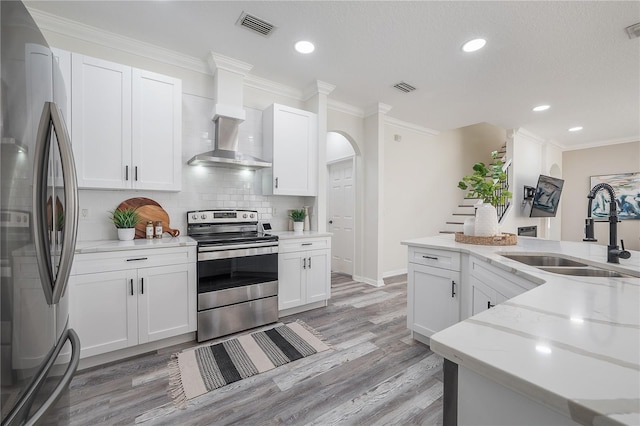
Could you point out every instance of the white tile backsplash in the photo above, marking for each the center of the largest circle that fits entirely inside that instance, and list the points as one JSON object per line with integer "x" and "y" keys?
{"x": 202, "y": 187}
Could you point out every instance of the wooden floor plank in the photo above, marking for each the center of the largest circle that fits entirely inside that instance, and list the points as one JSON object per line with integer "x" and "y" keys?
{"x": 374, "y": 373}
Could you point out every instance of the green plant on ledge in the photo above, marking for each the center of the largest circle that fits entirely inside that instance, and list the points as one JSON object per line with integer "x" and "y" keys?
{"x": 127, "y": 218}
{"x": 485, "y": 182}
{"x": 297, "y": 215}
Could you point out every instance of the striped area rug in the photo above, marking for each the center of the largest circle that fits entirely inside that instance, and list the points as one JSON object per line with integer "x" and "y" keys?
{"x": 196, "y": 371}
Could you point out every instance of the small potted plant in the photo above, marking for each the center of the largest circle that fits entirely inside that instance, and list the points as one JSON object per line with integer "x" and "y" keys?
{"x": 485, "y": 183}
{"x": 297, "y": 216}
{"x": 125, "y": 221}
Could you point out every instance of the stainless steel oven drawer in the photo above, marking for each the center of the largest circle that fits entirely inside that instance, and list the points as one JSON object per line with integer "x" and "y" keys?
{"x": 233, "y": 318}
{"x": 229, "y": 296}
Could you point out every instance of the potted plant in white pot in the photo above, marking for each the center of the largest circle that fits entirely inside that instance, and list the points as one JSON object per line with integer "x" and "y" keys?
{"x": 297, "y": 216}
{"x": 125, "y": 221}
{"x": 484, "y": 183}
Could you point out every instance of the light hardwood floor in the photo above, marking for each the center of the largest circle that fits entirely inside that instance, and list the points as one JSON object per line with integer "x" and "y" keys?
{"x": 375, "y": 374}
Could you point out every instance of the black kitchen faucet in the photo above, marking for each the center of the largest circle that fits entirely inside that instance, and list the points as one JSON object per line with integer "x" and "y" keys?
{"x": 614, "y": 254}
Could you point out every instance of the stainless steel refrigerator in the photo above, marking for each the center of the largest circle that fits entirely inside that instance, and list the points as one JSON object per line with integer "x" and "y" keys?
{"x": 38, "y": 225}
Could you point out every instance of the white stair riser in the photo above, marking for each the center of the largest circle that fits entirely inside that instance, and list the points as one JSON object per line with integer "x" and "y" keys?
{"x": 452, "y": 227}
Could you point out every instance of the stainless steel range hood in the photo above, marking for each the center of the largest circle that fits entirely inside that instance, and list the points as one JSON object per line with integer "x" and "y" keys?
{"x": 226, "y": 152}
{"x": 228, "y": 114}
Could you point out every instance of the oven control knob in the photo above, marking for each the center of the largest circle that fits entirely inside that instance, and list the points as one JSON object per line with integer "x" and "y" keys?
{"x": 194, "y": 216}
{"x": 204, "y": 216}
{"x": 244, "y": 216}
{"x": 251, "y": 215}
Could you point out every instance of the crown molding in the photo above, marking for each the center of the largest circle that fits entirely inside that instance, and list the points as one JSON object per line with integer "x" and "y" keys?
{"x": 378, "y": 108}
{"x": 410, "y": 126}
{"x": 74, "y": 29}
{"x": 521, "y": 132}
{"x": 345, "y": 108}
{"x": 628, "y": 139}
{"x": 319, "y": 87}
{"x": 218, "y": 61}
{"x": 272, "y": 87}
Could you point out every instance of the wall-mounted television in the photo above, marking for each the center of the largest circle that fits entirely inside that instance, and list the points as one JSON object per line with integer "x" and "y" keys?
{"x": 547, "y": 197}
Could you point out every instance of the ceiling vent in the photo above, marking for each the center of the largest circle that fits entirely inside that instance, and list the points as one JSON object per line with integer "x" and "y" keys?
{"x": 633, "y": 31}
{"x": 404, "y": 87}
{"x": 255, "y": 24}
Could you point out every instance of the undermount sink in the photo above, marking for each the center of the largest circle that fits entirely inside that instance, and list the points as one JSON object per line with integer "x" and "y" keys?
{"x": 543, "y": 260}
{"x": 586, "y": 272}
{"x": 561, "y": 265}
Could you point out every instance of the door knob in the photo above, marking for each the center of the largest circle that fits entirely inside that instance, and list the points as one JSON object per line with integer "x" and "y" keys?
{"x": 330, "y": 222}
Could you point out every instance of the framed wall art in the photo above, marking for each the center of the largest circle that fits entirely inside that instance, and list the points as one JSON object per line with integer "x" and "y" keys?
{"x": 627, "y": 189}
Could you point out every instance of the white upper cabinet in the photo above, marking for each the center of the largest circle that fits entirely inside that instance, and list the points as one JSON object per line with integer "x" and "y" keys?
{"x": 291, "y": 144}
{"x": 157, "y": 128}
{"x": 126, "y": 126}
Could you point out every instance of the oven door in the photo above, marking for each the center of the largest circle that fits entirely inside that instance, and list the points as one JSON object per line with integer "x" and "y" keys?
{"x": 234, "y": 276}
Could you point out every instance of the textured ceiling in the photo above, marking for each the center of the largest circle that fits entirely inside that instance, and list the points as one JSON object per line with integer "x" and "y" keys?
{"x": 573, "y": 55}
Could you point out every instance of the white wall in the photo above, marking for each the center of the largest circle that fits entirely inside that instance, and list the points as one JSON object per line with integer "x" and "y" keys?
{"x": 578, "y": 166}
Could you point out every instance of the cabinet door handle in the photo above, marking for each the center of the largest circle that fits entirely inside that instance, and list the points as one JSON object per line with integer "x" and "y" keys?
{"x": 430, "y": 257}
{"x": 131, "y": 283}
{"x": 136, "y": 173}
{"x": 142, "y": 285}
{"x": 304, "y": 264}
{"x": 126, "y": 172}
{"x": 453, "y": 288}
{"x": 489, "y": 305}
{"x": 135, "y": 259}
{"x": 276, "y": 182}
{"x": 309, "y": 263}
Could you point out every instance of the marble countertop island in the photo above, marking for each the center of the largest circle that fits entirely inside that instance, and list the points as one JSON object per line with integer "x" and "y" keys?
{"x": 571, "y": 344}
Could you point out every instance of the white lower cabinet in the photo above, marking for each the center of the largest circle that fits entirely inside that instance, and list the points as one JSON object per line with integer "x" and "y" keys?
{"x": 488, "y": 286}
{"x": 304, "y": 272}
{"x": 435, "y": 299}
{"x": 445, "y": 287}
{"x": 131, "y": 300}
{"x": 433, "y": 290}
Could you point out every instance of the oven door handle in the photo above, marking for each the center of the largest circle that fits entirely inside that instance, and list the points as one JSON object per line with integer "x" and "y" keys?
{"x": 204, "y": 249}
{"x": 244, "y": 252}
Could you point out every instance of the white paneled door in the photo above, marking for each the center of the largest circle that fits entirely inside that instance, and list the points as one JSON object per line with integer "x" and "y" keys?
{"x": 341, "y": 215}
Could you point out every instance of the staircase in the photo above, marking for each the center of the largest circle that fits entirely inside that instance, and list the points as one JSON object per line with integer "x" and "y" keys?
{"x": 466, "y": 208}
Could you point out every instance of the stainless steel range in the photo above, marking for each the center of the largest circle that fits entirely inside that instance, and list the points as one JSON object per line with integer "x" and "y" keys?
{"x": 237, "y": 272}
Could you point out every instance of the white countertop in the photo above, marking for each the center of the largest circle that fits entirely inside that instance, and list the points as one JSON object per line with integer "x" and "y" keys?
{"x": 571, "y": 344}
{"x": 289, "y": 235}
{"x": 137, "y": 244}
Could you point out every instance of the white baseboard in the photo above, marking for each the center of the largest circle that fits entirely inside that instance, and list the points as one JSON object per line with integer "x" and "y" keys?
{"x": 375, "y": 283}
{"x": 390, "y": 274}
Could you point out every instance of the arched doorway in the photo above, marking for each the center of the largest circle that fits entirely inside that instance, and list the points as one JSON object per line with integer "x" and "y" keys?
{"x": 341, "y": 201}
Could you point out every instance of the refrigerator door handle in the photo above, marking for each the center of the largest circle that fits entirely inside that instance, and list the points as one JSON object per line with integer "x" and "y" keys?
{"x": 20, "y": 411}
{"x": 54, "y": 284}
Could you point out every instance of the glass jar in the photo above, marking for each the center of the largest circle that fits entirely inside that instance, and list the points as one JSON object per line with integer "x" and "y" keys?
{"x": 149, "y": 233}
{"x": 158, "y": 229}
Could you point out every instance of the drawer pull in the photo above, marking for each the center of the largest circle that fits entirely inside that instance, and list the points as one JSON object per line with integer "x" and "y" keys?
{"x": 307, "y": 244}
{"x": 135, "y": 259}
{"x": 489, "y": 305}
{"x": 429, "y": 257}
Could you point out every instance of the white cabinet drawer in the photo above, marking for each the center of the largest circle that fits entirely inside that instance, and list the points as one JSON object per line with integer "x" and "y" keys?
{"x": 436, "y": 258}
{"x": 289, "y": 246}
{"x": 88, "y": 263}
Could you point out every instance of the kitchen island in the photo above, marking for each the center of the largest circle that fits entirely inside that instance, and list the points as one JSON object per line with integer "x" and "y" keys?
{"x": 566, "y": 351}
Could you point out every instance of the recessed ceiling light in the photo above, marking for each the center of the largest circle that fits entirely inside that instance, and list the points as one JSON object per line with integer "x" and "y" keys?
{"x": 473, "y": 45}
{"x": 541, "y": 108}
{"x": 304, "y": 46}
{"x": 575, "y": 129}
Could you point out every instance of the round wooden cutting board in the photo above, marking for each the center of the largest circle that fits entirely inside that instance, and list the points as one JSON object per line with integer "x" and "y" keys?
{"x": 148, "y": 209}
